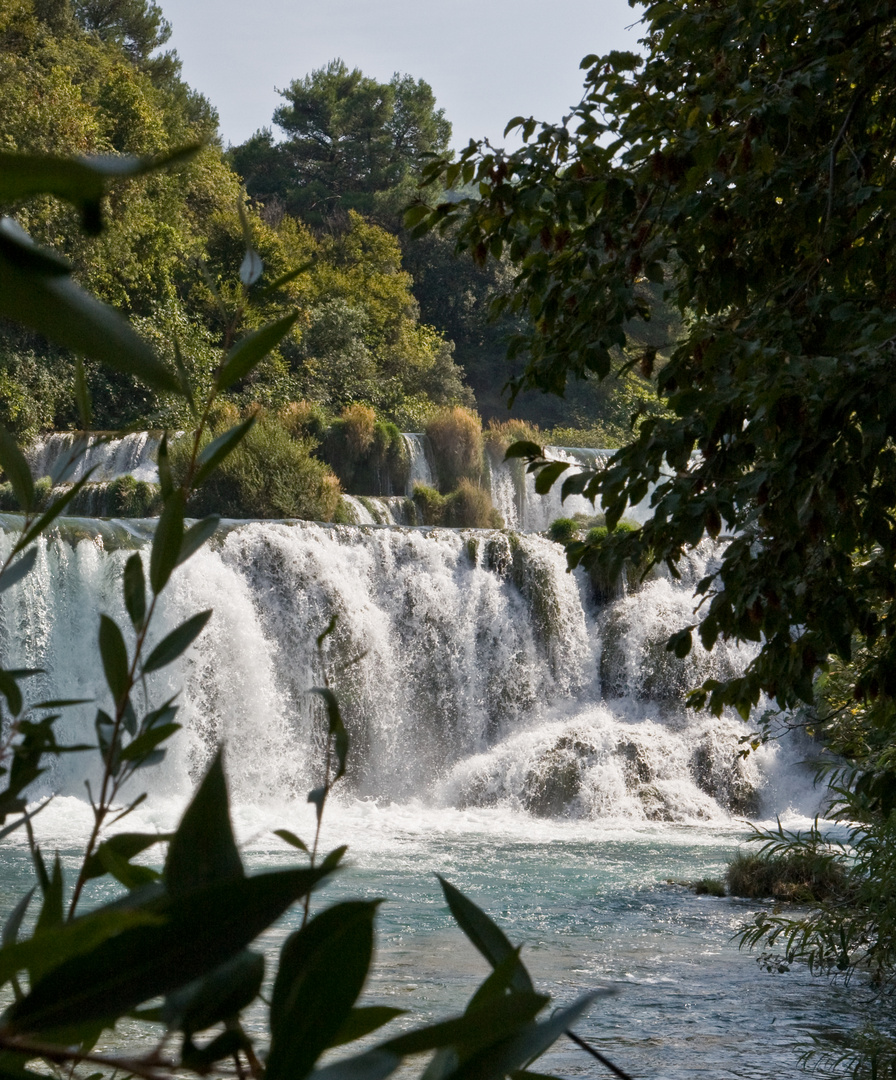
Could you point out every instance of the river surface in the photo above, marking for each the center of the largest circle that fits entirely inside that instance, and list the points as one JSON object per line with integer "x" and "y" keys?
{"x": 511, "y": 730}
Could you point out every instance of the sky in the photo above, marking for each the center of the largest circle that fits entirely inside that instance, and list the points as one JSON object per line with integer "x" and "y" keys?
{"x": 486, "y": 60}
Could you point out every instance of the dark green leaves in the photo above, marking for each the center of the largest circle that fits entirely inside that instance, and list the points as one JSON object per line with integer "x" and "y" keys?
{"x": 196, "y": 536}
{"x": 192, "y": 933}
{"x": 18, "y": 570}
{"x": 167, "y": 541}
{"x": 120, "y": 848}
{"x": 175, "y": 643}
{"x": 322, "y": 970}
{"x": 546, "y": 476}
{"x": 13, "y": 463}
{"x": 252, "y": 348}
{"x": 43, "y": 298}
{"x": 213, "y": 454}
{"x": 134, "y": 585}
{"x": 115, "y": 658}
{"x": 203, "y": 849}
{"x": 217, "y": 996}
{"x": 80, "y": 181}
{"x": 488, "y": 937}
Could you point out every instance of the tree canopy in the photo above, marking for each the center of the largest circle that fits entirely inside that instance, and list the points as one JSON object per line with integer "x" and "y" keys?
{"x": 746, "y": 165}
{"x": 349, "y": 139}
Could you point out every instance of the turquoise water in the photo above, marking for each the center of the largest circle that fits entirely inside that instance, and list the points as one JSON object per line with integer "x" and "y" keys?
{"x": 593, "y": 906}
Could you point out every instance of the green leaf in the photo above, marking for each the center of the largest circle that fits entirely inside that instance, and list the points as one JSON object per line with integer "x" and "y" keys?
{"x": 203, "y": 849}
{"x": 51, "y": 513}
{"x": 363, "y": 1020}
{"x": 166, "y": 480}
{"x": 131, "y": 876}
{"x": 82, "y": 394}
{"x": 680, "y": 642}
{"x": 14, "y": 922}
{"x": 58, "y": 309}
{"x": 225, "y": 1045}
{"x": 496, "y": 1061}
{"x": 291, "y": 839}
{"x": 134, "y": 585}
{"x": 144, "y": 744}
{"x": 261, "y": 295}
{"x": 245, "y": 354}
{"x": 124, "y": 846}
{"x": 167, "y": 542}
{"x": 374, "y": 1065}
{"x": 17, "y": 570}
{"x": 9, "y": 688}
{"x": 322, "y": 971}
{"x": 474, "y": 1030}
{"x": 175, "y": 643}
{"x": 213, "y": 454}
{"x": 80, "y": 181}
{"x": 546, "y": 476}
{"x": 336, "y": 728}
{"x": 196, "y": 536}
{"x": 523, "y": 449}
{"x": 488, "y": 938}
{"x": 184, "y": 376}
{"x": 114, "y": 654}
{"x": 191, "y": 933}
{"x": 60, "y": 944}
{"x": 219, "y": 995}
{"x": 13, "y": 463}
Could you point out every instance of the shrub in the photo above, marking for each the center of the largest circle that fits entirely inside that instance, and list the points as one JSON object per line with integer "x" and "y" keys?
{"x": 368, "y": 455}
{"x": 709, "y": 887}
{"x": 430, "y": 504}
{"x": 269, "y": 475}
{"x": 469, "y": 506}
{"x": 499, "y": 434}
{"x": 802, "y": 876}
{"x": 455, "y": 436}
{"x": 564, "y": 530}
{"x": 608, "y": 586}
{"x": 304, "y": 419}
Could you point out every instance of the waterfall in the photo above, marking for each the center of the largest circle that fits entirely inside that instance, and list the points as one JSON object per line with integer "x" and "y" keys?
{"x": 381, "y": 510}
{"x": 131, "y": 455}
{"x": 420, "y": 471}
{"x": 472, "y": 670}
{"x": 516, "y": 500}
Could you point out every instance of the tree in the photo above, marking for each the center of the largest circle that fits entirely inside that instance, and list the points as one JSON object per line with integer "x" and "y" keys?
{"x": 177, "y": 941}
{"x": 348, "y": 140}
{"x": 745, "y": 163}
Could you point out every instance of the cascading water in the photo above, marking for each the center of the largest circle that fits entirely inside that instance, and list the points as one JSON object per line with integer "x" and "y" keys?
{"x": 507, "y": 730}
{"x": 420, "y": 470}
{"x": 131, "y": 455}
{"x": 471, "y": 667}
{"x": 521, "y": 507}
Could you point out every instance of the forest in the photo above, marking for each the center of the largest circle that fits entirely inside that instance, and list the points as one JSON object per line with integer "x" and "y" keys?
{"x": 395, "y": 327}
{"x": 696, "y": 267}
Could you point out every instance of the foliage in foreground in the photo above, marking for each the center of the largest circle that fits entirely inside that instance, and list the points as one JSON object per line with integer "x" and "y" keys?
{"x": 746, "y": 166}
{"x": 184, "y": 934}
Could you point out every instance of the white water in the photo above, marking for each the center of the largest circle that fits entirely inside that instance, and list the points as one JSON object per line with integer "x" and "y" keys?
{"x": 67, "y": 457}
{"x": 506, "y": 731}
{"x": 515, "y": 498}
{"x": 420, "y": 469}
{"x": 473, "y": 670}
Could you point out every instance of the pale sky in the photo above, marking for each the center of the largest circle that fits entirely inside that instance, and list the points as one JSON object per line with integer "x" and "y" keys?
{"x": 486, "y": 60}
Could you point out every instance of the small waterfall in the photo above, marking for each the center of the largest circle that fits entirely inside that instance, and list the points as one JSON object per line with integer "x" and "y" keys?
{"x": 515, "y": 498}
{"x": 420, "y": 469}
{"x": 73, "y": 455}
{"x": 381, "y": 510}
{"x": 472, "y": 669}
